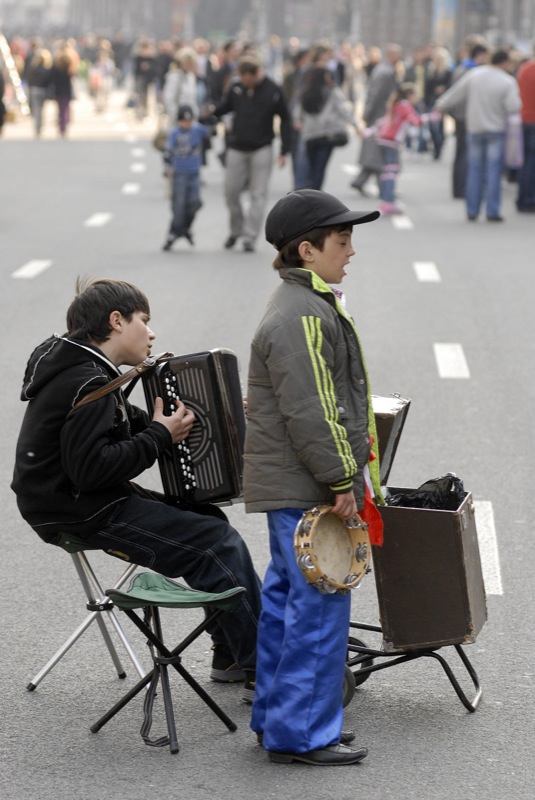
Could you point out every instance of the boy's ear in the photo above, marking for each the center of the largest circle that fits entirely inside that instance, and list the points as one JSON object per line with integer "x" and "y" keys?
{"x": 305, "y": 251}
{"x": 116, "y": 321}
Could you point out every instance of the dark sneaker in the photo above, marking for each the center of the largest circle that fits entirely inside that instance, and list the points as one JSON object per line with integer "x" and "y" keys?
{"x": 249, "y": 686}
{"x": 224, "y": 667}
{"x": 169, "y": 242}
{"x": 189, "y": 236}
{"x": 230, "y": 242}
{"x": 248, "y": 247}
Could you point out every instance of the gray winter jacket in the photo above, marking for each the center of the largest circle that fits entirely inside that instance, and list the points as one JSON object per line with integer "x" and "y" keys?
{"x": 309, "y": 409}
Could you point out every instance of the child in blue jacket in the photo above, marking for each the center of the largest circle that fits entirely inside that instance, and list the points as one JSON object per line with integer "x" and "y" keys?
{"x": 183, "y": 160}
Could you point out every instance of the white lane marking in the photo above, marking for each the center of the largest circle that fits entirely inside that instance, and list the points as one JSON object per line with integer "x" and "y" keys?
{"x": 131, "y": 188}
{"x": 451, "y": 361}
{"x": 138, "y": 166}
{"x": 32, "y": 268}
{"x": 97, "y": 220}
{"x": 130, "y": 137}
{"x": 402, "y": 222}
{"x": 488, "y": 547}
{"x": 138, "y": 152}
{"x": 427, "y": 271}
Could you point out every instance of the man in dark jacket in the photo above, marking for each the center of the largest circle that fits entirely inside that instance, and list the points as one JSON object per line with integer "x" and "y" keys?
{"x": 74, "y": 466}
{"x": 254, "y": 101}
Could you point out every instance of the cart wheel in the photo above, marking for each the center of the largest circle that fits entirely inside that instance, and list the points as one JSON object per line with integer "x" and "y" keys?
{"x": 349, "y": 688}
{"x": 358, "y": 679}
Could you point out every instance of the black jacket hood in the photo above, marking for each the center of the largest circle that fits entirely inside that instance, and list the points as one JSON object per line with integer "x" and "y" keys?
{"x": 54, "y": 356}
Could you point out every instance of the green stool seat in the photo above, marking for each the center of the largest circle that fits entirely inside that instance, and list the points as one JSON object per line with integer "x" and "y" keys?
{"x": 150, "y": 589}
{"x": 150, "y": 592}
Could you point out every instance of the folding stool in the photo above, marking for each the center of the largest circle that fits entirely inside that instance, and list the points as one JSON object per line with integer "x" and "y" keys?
{"x": 99, "y": 605}
{"x": 150, "y": 592}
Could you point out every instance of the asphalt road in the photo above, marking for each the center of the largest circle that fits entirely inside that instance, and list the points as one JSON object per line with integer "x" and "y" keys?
{"x": 96, "y": 204}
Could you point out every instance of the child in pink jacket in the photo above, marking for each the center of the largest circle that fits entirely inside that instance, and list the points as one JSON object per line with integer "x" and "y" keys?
{"x": 390, "y": 132}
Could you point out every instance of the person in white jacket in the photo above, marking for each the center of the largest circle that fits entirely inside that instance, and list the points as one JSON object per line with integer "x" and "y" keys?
{"x": 180, "y": 86}
{"x": 491, "y": 95}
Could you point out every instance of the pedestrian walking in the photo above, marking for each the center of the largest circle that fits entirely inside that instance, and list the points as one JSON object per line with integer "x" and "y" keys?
{"x": 491, "y": 95}
{"x": 382, "y": 83}
{"x": 39, "y": 82}
{"x": 64, "y": 68}
{"x": 390, "y": 133}
{"x": 182, "y": 158}
{"x": 438, "y": 79}
{"x": 254, "y": 101}
{"x": 322, "y": 117}
{"x": 180, "y": 84}
{"x": 525, "y": 200}
{"x": 144, "y": 70}
{"x": 478, "y": 54}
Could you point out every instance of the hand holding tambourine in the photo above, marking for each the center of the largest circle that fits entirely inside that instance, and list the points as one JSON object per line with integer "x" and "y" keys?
{"x": 332, "y": 553}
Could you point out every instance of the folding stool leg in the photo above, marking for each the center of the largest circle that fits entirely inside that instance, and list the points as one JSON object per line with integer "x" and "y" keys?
{"x": 97, "y": 598}
{"x": 91, "y": 587}
{"x": 166, "y": 688}
{"x": 168, "y": 654}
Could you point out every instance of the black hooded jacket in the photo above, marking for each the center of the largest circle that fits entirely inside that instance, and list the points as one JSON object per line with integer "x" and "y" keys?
{"x": 73, "y": 467}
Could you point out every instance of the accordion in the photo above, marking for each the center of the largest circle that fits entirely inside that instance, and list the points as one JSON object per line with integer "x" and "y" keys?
{"x": 207, "y": 466}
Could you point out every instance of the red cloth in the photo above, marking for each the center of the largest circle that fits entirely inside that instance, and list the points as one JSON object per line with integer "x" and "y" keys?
{"x": 372, "y": 516}
{"x": 526, "y": 85}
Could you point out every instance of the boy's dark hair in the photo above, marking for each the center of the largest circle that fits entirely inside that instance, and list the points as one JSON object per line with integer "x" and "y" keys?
{"x": 500, "y": 57}
{"x": 288, "y": 256}
{"x": 89, "y": 313}
{"x": 249, "y": 65}
{"x": 478, "y": 49}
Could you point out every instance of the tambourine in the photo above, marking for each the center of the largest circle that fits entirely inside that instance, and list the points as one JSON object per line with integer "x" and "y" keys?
{"x": 332, "y": 553}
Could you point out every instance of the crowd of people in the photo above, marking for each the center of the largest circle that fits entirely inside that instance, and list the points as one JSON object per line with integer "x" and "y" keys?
{"x": 316, "y": 94}
{"x": 311, "y": 435}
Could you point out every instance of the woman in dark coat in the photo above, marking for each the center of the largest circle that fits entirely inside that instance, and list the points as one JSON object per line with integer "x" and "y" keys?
{"x": 61, "y": 75}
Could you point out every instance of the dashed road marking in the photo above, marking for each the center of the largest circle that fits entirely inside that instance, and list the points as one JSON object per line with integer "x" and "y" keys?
{"x": 488, "y": 547}
{"x": 138, "y": 152}
{"x": 32, "y": 268}
{"x": 131, "y": 188}
{"x": 97, "y": 220}
{"x": 427, "y": 271}
{"x": 451, "y": 361}
{"x": 138, "y": 166}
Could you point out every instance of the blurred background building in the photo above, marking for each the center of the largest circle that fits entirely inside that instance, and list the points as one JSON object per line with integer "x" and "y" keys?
{"x": 409, "y": 22}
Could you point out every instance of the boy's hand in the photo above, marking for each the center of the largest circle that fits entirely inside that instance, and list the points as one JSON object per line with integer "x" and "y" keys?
{"x": 345, "y": 505}
{"x": 179, "y": 423}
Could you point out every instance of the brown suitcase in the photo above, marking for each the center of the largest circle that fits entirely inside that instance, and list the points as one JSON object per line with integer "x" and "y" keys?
{"x": 428, "y": 573}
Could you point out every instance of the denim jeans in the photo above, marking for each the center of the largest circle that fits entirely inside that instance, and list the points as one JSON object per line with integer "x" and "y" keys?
{"x": 526, "y": 176}
{"x": 300, "y": 166}
{"x": 186, "y": 201}
{"x": 389, "y": 173}
{"x": 202, "y": 549}
{"x": 318, "y": 152}
{"x": 484, "y": 172}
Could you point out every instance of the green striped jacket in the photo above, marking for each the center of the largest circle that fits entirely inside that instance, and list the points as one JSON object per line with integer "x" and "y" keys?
{"x": 310, "y": 416}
